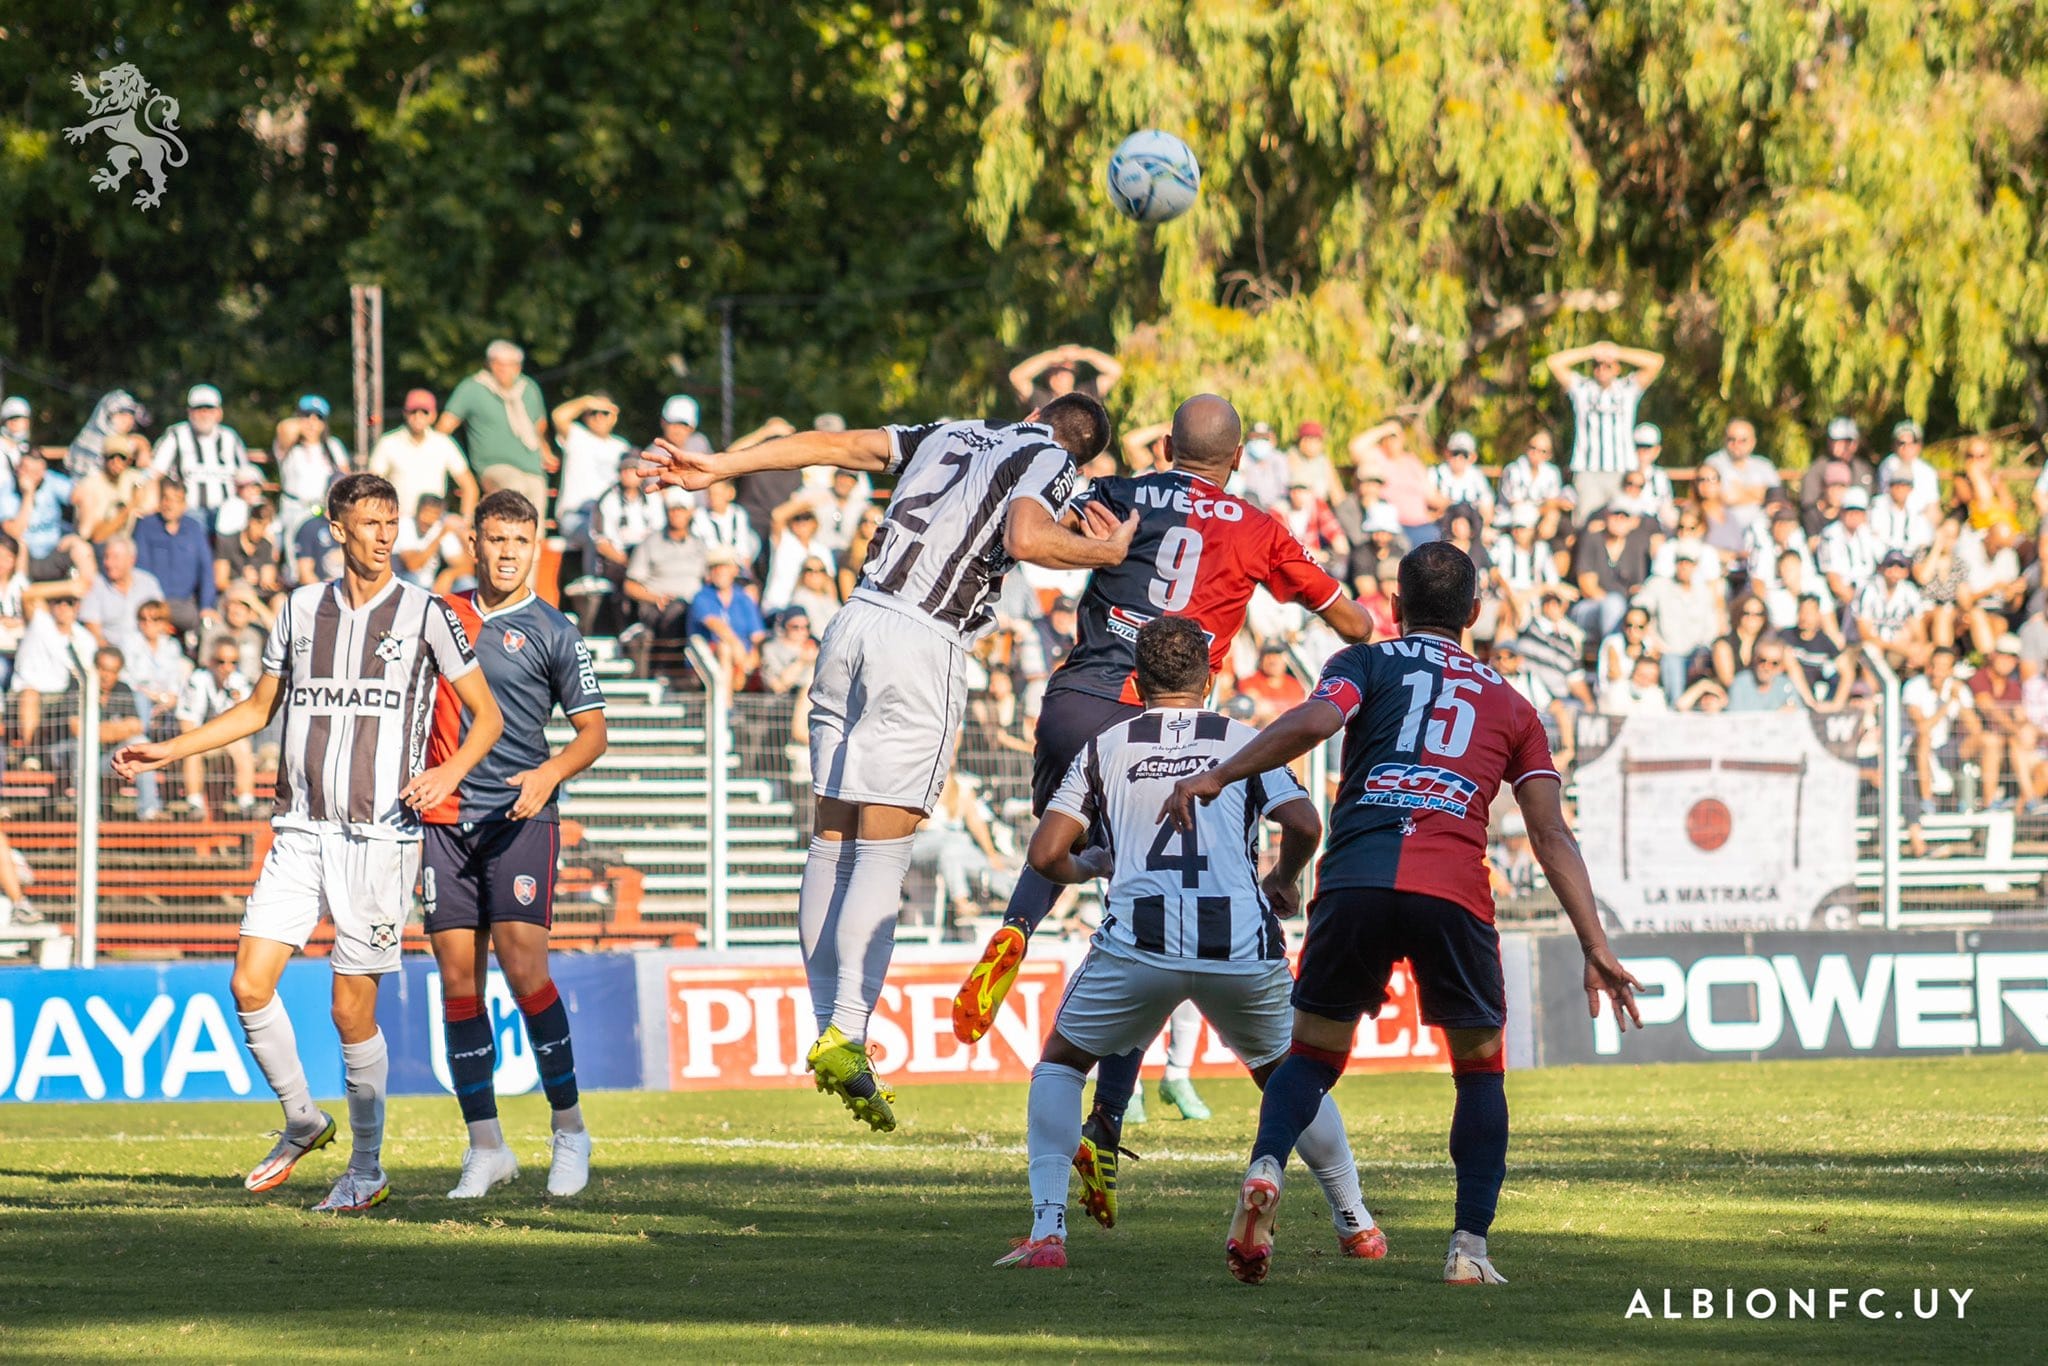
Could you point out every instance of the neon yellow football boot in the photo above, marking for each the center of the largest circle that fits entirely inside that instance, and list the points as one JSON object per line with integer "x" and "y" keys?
{"x": 841, "y": 1067}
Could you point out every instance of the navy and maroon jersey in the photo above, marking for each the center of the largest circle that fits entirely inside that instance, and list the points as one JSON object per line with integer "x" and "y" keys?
{"x": 534, "y": 659}
{"x": 1198, "y": 553}
{"x": 1430, "y": 734}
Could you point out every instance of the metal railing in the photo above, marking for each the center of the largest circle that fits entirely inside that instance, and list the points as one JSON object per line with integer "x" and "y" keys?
{"x": 1890, "y": 826}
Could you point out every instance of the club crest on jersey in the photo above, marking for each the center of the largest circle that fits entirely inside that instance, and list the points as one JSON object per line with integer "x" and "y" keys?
{"x": 1164, "y": 766}
{"x": 1126, "y": 623}
{"x": 524, "y": 889}
{"x": 389, "y": 647}
{"x": 1419, "y": 787}
{"x": 515, "y": 641}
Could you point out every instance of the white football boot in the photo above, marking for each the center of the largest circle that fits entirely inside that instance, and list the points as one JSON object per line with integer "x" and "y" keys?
{"x": 356, "y": 1192}
{"x": 569, "y": 1172}
{"x": 482, "y": 1170}
{"x": 1468, "y": 1264}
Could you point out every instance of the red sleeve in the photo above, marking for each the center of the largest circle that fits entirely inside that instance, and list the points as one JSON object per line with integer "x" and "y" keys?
{"x": 446, "y": 733}
{"x": 1529, "y": 757}
{"x": 1291, "y": 576}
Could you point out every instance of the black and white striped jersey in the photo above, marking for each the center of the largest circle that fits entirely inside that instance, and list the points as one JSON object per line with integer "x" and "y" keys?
{"x": 205, "y": 465}
{"x": 358, "y": 699}
{"x": 1604, "y": 423}
{"x": 940, "y": 551}
{"x": 1182, "y": 899}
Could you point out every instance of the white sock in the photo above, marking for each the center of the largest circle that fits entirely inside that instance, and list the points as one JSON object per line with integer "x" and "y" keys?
{"x": 865, "y": 932}
{"x": 484, "y": 1133}
{"x": 1326, "y": 1151}
{"x": 367, "y": 1066}
{"x": 275, "y": 1046}
{"x": 569, "y": 1121}
{"x": 1052, "y": 1132}
{"x": 819, "y": 897}
{"x": 1183, "y": 1032}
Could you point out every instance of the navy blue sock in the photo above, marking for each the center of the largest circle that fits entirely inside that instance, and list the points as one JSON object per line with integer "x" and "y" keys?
{"x": 1479, "y": 1147}
{"x": 1294, "y": 1093}
{"x": 1115, "y": 1079}
{"x": 472, "y": 1056}
{"x": 1031, "y": 901}
{"x": 547, "y": 1029}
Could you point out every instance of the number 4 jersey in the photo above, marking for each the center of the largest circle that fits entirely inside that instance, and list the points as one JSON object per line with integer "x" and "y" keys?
{"x": 1199, "y": 553}
{"x": 1430, "y": 734}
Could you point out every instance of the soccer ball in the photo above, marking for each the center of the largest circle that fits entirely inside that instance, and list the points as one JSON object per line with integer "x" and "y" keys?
{"x": 1153, "y": 177}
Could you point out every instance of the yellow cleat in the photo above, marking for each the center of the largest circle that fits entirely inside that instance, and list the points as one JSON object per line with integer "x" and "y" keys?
{"x": 981, "y": 995}
{"x": 1096, "y": 1164}
{"x": 841, "y": 1067}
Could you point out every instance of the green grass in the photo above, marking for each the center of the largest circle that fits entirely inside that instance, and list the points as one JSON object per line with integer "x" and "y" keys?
{"x": 762, "y": 1225}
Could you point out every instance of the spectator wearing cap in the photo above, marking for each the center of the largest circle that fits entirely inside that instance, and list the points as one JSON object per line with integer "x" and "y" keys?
{"x": 1381, "y": 543}
{"x": 1891, "y": 614}
{"x": 1363, "y": 513}
{"x": 1748, "y": 480}
{"x": 1533, "y": 479}
{"x": 1815, "y": 647}
{"x": 725, "y": 615}
{"x": 111, "y": 608}
{"x": 1603, "y": 414}
{"x": 502, "y": 416}
{"x": 1613, "y": 560}
{"x": 1849, "y": 550}
{"x": 720, "y": 520}
{"x": 789, "y": 656}
{"x": 680, "y": 420}
{"x": 1687, "y": 614}
{"x": 309, "y": 459}
{"x": 202, "y": 452}
{"x": 1458, "y": 479}
{"x": 1906, "y": 459}
{"x": 107, "y": 499}
{"x": 16, "y": 417}
{"x": 35, "y": 509}
{"x": 432, "y": 542}
{"x": 1657, "y": 492}
{"x": 419, "y": 460}
{"x": 1038, "y": 380}
{"x": 1896, "y": 523}
{"x": 798, "y": 538}
{"x": 1261, "y": 475}
{"x": 1769, "y": 683}
{"x": 1997, "y": 691}
{"x": 54, "y": 656}
{"x": 1309, "y": 464}
{"x": 625, "y": 516}
{"x": 231, "y": 516}
{"x": 666, "y": 571}
{"x": 586, "y": 431}
{"x": 1057, "y": 631}
{"x": 1844, "y": 464}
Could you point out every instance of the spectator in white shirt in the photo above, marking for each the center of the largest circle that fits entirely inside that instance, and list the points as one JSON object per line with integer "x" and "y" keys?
{"x": 1657, "y": 490}
{"x": 1994, "y": 588}
{"x": 1747, "y": 479}
{"x": 1641, "y": 693}
{"x": 626, "y": 515}
{"x": 1946, "y": 730}
{"x": 154, "y": 663}
{"x": 1894, "y": 520}
{"x": 1459, "y": 479}
{"x": 1891, "y": 614}
{"x": 1907, "y": 440}
{"x": 798, "y": 540}
{"x": 1792, "y": 580}
{"x": 1768, "y": 540}
{"x": 430, "y": 541}
{"x": 1261, "y": 475}
{"x": 309, "y": 459}
{"x": 720, "y": 520}
{"x": 202, "y": 452}
{"x": 1849, "y": 549}
{"x": 839, "y": 509}
{"x": 419, "y": 460}
{"x": 208, "y": 693}
{"x": 55, "y": 655}
{"x": 585, "y": 432}
{"x": 232, "y": 517}
{"x": 1687, "y": 613}
{"x": 1534, "y": 478}
{"x": 1603, "y": 414}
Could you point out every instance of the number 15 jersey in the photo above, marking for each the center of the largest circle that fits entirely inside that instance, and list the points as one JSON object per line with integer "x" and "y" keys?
{"x": 1430, "y": 734}
{"x": 1199, "y": 552}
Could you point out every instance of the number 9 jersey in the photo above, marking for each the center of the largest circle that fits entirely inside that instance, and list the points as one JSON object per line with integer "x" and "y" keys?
{"x": 1199, "y": 552}
{"x": 1430, "y": 735}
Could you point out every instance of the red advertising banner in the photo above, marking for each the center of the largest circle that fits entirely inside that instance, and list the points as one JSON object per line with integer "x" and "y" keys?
{"x": 734, "y": 1026}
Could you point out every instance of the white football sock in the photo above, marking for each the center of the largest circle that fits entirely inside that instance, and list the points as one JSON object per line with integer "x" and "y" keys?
{"x": 1183, "y": 1032}
{"x": 275, "y": 1046}
{"x": 367, "y": 1066}
{"x": 569, "y": 1121}
{"x": 865, "y": 930}
{"x": 1052, "y": 1132}
{"x": 483, "y": 1133}
{"x": 827, "y": 871}
{"x": 1326, "y": 1151}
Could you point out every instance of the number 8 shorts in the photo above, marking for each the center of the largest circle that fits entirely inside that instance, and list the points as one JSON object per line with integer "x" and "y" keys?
{"x": 364, "y": 885}
{"x": 887, "y": 700}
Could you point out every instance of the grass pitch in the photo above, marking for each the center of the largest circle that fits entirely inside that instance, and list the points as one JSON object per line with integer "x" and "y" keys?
{"x": 763, "y": 1225}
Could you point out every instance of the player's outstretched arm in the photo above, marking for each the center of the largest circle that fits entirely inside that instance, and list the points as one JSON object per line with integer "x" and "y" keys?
{"x": 1292, "y": 735}
{"x": 1347, "y": 619}
{"x": 486, "y": 724}
{"x": 1035, "y": 536}
{"x": 238, "y": 722}
{"x": 866, "y": 451}
{"x": 1557, "y": 850}
{"x": 538, "y": 784}
{"x": 1301, "y": 830}
{"x": 1051, "y": 853}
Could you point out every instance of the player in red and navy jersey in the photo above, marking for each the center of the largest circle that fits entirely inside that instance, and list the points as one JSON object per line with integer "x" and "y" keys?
{"x": 1198, "y": 552}
{"x": 488, "y": 879}
{"x": 1430, "y": 734}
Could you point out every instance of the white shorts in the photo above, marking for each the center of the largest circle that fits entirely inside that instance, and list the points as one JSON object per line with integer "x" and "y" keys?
{"x": 887, "y": 700}
{"x": 364, "y": 885}
{"x": 1114, "y": 1004}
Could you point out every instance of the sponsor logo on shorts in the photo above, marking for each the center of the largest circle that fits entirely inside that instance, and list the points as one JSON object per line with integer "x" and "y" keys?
{"x": 384, "y": 934}
{"x": 515, "y": 641}
{"x": 524, "y": 889}
{"x": 1419, "y": 787}
{"x": 1162, "y": 766}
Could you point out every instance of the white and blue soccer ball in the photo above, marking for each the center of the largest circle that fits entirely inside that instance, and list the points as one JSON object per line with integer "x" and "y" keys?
{"x": 1153, "y": 177}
